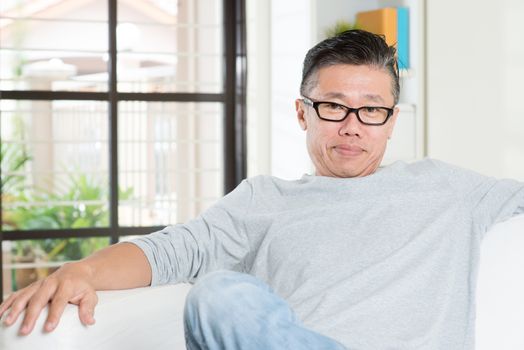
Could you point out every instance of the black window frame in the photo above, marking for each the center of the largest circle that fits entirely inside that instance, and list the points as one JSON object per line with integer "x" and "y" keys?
{"x": 233, "y": 98}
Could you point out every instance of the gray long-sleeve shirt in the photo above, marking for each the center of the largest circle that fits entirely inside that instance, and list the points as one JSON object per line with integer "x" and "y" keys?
{"x": 386, "y": 261}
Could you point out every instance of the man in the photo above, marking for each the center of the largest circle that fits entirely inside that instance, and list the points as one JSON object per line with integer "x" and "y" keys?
{"x": 354, "y": 257}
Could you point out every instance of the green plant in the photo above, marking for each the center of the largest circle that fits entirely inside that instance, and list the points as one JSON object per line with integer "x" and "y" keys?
{"x": 47, "y": 215}
{"x": 13, "y": 160}
{"x": 339, "y": 27}
{"x": 79, "y": 202}
{"x": 89, "y": 210}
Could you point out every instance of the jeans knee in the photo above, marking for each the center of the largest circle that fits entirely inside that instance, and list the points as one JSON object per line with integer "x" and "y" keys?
{"x": 219, "y": 288}
{"x": 215, "y": 293}
{"x": 217, "y": 280}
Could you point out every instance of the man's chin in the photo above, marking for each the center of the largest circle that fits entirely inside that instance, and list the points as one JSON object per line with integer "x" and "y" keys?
{"x": 355, "y": 170}
{"x": 347, "y": 173}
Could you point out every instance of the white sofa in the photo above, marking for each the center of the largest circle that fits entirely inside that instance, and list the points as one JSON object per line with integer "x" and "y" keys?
{"x": 151, "y": 318}
{"x": 135, "y": 319}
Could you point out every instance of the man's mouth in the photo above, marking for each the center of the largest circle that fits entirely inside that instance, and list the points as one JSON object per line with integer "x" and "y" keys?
{"x": 348, "y": 150}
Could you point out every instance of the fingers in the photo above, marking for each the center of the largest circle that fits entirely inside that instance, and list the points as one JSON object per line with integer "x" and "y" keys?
{"x": 36, "y": 304}
{"x": 86, "y": 308}
{"x": 86, "y": 301}
{"x": 16, "y": 303}
{"x": 57, "y": 306}
{"x": 5, "y": 306}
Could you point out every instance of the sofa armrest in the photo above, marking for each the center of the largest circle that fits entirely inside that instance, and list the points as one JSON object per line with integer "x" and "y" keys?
{"x": 500, "y": 287}
{"x": 142, "y": 318}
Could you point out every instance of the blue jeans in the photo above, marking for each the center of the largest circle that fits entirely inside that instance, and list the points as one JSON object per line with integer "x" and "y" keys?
{"x": 231, "y": 310}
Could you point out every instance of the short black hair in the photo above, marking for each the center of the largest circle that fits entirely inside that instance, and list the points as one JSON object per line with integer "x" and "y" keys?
{"x": 356, "y": 47}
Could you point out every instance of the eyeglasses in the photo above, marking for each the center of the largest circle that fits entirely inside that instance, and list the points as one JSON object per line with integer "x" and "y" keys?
{"x": 335, "y": 112}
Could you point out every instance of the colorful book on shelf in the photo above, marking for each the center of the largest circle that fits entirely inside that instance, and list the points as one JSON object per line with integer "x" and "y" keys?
{"x": 393, "y": 23}
{"x": 403, "y": 37}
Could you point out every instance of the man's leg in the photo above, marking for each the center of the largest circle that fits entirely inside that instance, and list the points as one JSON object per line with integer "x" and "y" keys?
{"x": 230, "y": 310}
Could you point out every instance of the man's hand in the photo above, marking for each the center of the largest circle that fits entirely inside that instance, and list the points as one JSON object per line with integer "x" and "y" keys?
{"x": 69, "y": 284}
{"x": 119, "y": 266}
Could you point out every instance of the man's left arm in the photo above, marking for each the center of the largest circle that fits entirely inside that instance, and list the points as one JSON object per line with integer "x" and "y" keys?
{"x": 490, "y": 200}
{"x": 495, "y": 200}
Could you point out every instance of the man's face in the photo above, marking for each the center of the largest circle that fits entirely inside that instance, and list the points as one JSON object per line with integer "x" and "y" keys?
{"x": 347, "y": 148}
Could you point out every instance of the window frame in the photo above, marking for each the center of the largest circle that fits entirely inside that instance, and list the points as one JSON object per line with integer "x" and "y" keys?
{"x": 233, "y": 98}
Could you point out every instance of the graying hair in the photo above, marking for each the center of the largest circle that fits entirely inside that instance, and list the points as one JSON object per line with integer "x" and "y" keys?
{"x": 356, "y": 47}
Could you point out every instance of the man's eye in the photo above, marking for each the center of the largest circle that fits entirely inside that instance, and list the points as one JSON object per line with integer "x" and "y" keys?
{"x": 334, "y": 106}
{"x": 370, "y": 109}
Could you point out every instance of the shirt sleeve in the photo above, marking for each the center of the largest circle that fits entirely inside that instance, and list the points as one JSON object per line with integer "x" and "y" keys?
{"x": 215, "y": 240}
{"x": 491, "y": 200}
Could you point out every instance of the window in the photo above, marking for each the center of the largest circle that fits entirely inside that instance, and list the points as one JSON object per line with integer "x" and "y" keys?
{"x": 117, "y": 117}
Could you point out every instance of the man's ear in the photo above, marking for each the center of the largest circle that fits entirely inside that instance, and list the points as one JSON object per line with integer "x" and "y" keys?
{"x": 392, "y": 120}
{"x": 301, "y": 114}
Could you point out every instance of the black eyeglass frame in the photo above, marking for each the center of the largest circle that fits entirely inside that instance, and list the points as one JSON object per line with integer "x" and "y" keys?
{"x": 308, "y": 101}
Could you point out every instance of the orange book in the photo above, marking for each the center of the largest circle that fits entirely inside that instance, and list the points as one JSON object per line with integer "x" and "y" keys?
{"x": 382, "y": 21}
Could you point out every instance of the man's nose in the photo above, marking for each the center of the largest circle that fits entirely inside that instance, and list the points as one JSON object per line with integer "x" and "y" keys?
{"x": 350, "y": 126}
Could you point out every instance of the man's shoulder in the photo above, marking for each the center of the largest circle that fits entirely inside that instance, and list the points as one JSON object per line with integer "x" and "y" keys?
{"x": 427, "y": 166}
{"x": 427, "y": 170}
{"x": 442, "y": 168}
{"x": 455, "y": 176}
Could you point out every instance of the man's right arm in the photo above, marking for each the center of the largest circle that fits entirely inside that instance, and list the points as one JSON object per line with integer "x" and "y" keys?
{"x": 120, "y": 266}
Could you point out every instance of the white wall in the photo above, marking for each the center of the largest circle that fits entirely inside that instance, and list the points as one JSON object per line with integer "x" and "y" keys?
{"x": 475, "y": 70}
{"x": 290, "y": 40}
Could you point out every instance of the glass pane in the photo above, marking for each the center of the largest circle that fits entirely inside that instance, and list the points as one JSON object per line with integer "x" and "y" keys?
{"x": 37, "y": 55}
{"x": 29, "y": 260}
{"x": 71, "y": 9}
{"x": 170, "y": 48}
{"x": 54, "y": 164}
{"x": 170, "y": 161}
{"x": 143, "y": 72}
{"x": 179, "y": 12}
